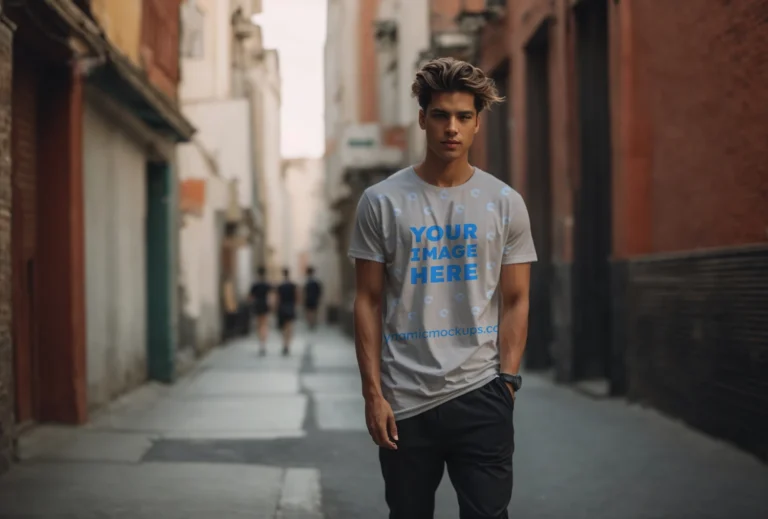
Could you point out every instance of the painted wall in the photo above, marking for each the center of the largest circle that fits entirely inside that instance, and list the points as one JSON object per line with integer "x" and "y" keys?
{"x": 304, "y": 182}
{"x": 342, "y": 71}
{"x": 7, "y": 399}
{"x": 413, "y": 37}
{"x": 121, "y": 22}
{"x": 209, "y": 75}
{"x": 236, "y": 146}
{"x": 115, "y": 215}
{"x": 200, "y": 271}
{"x": 265, "y": 77}
{"x": 224, "y": 134}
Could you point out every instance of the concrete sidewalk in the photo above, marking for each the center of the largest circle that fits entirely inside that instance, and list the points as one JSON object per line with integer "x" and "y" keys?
{"x": 99, "y": 470}
{"x": 285, "y": 437}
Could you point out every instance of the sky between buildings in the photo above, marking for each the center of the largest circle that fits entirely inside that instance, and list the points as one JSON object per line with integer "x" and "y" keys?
{"x": 296, "y": 28}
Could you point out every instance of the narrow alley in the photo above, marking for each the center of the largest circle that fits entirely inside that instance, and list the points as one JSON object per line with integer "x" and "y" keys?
{"x": 284, "y": 437}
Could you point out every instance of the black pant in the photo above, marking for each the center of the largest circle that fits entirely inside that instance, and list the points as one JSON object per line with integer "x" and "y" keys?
{"x": 473, "y": 435}
{"x": 285, "y": 314}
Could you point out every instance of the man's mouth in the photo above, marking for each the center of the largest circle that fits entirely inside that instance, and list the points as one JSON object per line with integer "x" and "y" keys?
{"x": 451, "y": 143}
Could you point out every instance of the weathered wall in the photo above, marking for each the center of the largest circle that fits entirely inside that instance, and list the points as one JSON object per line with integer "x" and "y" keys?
{"x": 160, "y": 43}
{"x": 115, "y": 216}
{"x": 692, "y": 150}
{"x": 121, "y": 22}
{"x": 369, "y": 88}
{"x": 703, "y": 67}
{"x": 6, "y": 345}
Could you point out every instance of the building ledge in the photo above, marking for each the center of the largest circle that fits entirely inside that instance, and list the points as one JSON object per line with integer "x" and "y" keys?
{"x": 116, "y": 75}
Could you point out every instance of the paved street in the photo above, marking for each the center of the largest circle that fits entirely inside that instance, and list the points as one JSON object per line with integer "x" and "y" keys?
{"x": 274, "y": 437}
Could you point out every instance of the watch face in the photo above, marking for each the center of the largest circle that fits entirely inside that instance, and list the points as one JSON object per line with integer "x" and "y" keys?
{"x": 515, "y": 380}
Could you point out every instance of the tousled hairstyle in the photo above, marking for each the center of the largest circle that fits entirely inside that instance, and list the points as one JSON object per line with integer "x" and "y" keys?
{"x": 452, "y": 75}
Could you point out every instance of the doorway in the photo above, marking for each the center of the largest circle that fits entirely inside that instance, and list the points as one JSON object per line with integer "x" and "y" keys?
{"x": 592, "y": 204}
{"x": 160, "y": 280}
{"x": 539, "y": 198}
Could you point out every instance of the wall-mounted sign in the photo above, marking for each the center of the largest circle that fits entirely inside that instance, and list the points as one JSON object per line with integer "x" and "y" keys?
{"x": 362, "y": 143}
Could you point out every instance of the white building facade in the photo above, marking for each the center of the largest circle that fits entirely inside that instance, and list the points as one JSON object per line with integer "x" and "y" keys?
{"x": 362, "y": 150}
{"x": 221, "y": 172}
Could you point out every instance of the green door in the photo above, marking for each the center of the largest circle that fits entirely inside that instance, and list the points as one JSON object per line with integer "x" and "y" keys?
{"x": 160, "y": 267}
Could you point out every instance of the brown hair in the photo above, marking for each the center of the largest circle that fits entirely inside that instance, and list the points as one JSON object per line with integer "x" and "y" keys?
{"x": 452, "y": 75}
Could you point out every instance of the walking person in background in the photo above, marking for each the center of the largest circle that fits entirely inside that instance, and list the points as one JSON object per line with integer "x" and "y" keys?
{"x": 287, "y": 298}
{"x": 313, "y": 290}
{"x": 259, "y": 299}
{"x": 442, "y": 255}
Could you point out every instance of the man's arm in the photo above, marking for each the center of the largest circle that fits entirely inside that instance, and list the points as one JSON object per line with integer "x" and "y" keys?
{"x": 513, "y": 327}
{"x": 367, "y": 313}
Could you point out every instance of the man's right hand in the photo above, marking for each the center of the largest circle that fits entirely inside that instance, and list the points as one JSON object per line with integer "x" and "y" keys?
{"x": 381, "y": 422}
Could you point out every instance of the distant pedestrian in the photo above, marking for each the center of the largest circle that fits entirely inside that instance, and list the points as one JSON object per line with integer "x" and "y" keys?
{"x": 442, "y": 255}
{"x": 287, "y": 297}
{"x": 313, "y": 291}
{"x": 259, "y": 299}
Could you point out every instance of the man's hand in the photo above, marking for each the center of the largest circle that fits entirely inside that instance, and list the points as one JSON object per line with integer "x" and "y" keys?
{"x": 381, "y": 422}
{"x": 511, "y": 390}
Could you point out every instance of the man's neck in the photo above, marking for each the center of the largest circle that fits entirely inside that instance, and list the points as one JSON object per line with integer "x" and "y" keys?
{"x": 444, "y": 174}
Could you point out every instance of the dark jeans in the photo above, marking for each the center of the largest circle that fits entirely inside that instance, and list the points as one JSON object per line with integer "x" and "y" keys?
{"x": 473, "y": 435}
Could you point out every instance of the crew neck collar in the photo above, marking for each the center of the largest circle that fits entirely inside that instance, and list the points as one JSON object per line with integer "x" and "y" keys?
{"x": 466, "y": 185}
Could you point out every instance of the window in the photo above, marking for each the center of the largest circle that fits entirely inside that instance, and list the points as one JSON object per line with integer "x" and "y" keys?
{"x": 192, "y": 23}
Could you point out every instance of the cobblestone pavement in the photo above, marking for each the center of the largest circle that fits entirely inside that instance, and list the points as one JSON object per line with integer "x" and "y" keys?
{"x": 270, "y": 437}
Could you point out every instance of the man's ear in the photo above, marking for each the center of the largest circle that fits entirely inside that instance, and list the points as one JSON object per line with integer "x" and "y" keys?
{"x": 477, "y": 123}
{"x": 422, "y": 120}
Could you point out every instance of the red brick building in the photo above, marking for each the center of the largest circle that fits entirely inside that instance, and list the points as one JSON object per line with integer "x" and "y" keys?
{"x": 48, "y": 52}
{"x": 6, "y": 344}
{"x": 636, "y": 132}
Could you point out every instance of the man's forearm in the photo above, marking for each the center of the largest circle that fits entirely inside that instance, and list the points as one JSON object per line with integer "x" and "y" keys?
{"x": 368, "y": 346}
{"x": 513, "y": 333}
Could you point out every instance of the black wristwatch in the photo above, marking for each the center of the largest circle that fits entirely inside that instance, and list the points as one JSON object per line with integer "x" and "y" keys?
{"x": 515, "y": 380}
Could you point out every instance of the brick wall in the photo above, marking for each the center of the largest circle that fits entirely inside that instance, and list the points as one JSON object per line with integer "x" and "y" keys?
{"x": 690, "y": 126}
{"x": 24, "y": 234}
{"x": 525, "y": 18}
{"x": 369, "y": 94}
{"x": 6, "y": 351}
{"x": 442, "y": 13}
{"x": 703, "y": 67}
{"x": 160, "y": 43}
{"x": 696, "y": 343}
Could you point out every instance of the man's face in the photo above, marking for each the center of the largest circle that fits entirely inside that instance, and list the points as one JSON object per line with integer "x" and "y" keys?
{"x": 451, "y": 123}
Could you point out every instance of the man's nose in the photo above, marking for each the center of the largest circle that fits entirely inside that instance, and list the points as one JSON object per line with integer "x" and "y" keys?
{"x": 452, "y": 128}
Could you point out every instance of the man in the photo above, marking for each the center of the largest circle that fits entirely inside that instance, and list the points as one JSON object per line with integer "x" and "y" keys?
{"x": 287, "y": 296}
{"x": 313, "y": 290}
{"x": 442, "y": 256}
{"x": 259, "y": 299}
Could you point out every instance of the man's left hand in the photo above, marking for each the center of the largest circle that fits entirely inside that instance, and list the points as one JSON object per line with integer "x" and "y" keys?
{"x": 511, "y": 389}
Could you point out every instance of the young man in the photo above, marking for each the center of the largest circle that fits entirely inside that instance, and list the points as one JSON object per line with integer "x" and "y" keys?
{"x": 287, "y": 296}
{"x": 442, "y": 253}
{"x": 259, "y": 298}
{"x": 313, "y": 290}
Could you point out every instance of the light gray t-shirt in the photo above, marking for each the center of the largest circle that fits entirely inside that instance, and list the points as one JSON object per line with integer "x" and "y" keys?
{"x": 443, "y": 249}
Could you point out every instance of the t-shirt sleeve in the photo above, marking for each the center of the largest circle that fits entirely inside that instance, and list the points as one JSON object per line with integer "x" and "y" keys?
{"x": 519, "y": 247}
{"x": 367, "y": 240}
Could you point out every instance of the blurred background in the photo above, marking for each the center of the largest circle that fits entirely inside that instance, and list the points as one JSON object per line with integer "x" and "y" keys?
{"x": 155, "y": 153}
